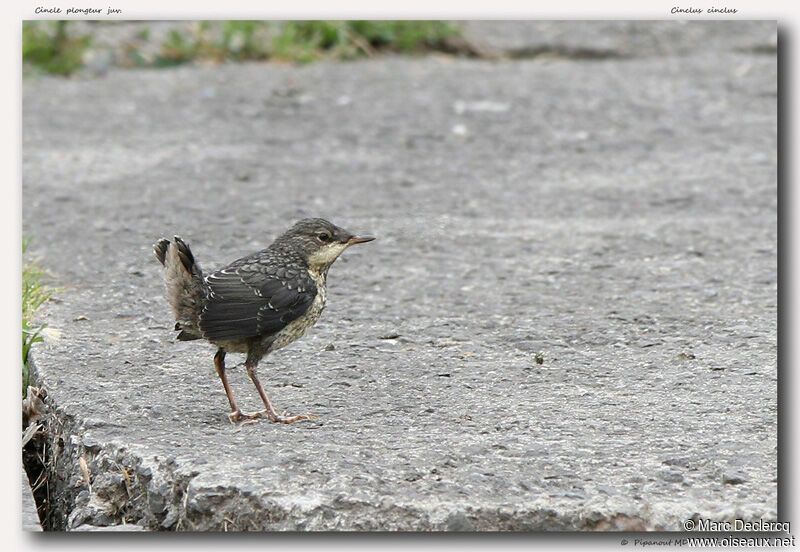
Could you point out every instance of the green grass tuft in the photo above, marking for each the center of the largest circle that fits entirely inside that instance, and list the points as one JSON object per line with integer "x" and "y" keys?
{"x": 303, "y": 41}
{"x": 34, "y": 294}
{"x": 307, "y": 41}
{"x": 245, "y": 40}
{"x": 47, "y": 47}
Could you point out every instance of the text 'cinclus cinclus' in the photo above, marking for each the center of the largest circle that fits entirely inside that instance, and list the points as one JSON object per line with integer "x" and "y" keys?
{"x": 256, "y": 304}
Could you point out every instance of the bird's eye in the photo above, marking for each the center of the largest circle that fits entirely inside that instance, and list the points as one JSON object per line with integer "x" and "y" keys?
{"x": 323, "y": 236}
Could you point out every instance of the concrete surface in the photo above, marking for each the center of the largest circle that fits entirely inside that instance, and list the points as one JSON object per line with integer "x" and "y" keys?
{"x": 618, "y": 215}
{"x": 30, "y": 518}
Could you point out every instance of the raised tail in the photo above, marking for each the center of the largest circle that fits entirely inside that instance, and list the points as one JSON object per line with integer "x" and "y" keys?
{"x": 186, "y": 288}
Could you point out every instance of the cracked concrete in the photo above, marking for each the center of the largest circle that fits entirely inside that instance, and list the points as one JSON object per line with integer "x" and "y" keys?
{"x": 618, "y": 215}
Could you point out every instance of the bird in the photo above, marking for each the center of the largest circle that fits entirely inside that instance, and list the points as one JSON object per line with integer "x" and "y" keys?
{"x": 257, "y": 304}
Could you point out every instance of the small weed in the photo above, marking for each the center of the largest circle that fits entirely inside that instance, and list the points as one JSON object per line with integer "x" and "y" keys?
{"x": 34, "y": 295}
{"x": 238, "y": 41}
{"x": 46, "y": 46}
{"x": 180, "y": 49}
{"x": 405, "y": 36}
{"x": 307, "y": 41}
{"x": 245, "y": 40}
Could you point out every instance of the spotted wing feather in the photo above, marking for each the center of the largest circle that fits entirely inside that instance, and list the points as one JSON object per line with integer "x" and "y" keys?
{"x": 254, "y": 301}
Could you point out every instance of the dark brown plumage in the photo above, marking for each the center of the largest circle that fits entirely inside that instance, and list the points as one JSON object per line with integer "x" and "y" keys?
{"x": 258, "y": 303}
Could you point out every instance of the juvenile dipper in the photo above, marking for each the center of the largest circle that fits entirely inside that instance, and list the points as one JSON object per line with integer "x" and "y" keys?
{"x": 256, "y": 304}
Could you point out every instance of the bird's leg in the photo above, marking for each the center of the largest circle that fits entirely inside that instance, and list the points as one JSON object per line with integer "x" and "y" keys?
{"x": 236, "y": 414}
{"x": 270, "y": 411}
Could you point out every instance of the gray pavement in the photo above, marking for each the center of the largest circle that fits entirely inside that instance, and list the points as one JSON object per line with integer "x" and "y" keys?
{"x": 618, "y": 215}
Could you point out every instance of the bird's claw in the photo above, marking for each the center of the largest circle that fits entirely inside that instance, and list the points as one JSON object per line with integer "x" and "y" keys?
{"x": 283, "y": 419}
{"x": 238, "y": 416}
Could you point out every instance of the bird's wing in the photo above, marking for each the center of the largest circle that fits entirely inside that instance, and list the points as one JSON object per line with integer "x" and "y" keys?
{"x": 250, "y": 301}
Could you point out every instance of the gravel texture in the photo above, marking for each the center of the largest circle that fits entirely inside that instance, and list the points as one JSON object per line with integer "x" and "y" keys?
{"x": 618, "y": 215}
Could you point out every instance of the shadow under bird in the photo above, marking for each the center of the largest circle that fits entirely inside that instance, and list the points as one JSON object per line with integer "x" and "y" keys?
{"x": 256, "y": 304}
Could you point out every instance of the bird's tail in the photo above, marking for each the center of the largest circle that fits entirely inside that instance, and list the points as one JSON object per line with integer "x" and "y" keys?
{"x": 186, "y": 288}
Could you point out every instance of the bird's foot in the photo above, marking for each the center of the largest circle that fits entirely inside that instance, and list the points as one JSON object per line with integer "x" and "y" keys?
{"x": 238, "y": 416}
{"x": 283, "y": 419}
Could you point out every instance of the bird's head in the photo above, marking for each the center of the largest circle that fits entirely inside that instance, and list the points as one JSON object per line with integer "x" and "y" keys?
{"x": 320, "y": 242}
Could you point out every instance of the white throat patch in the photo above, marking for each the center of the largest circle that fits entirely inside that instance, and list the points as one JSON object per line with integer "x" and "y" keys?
{"x": 325, "y": 256}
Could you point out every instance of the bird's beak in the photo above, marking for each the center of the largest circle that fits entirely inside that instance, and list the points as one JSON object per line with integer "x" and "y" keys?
{"x": 360, "y": 239}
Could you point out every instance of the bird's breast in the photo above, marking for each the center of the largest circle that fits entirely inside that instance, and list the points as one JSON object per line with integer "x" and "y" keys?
{"x": 295, "y": 329}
